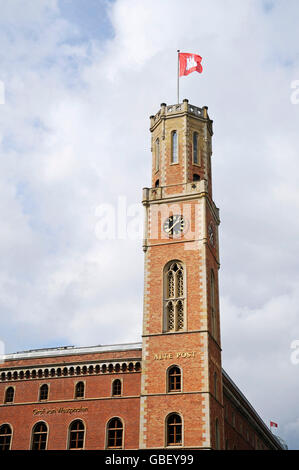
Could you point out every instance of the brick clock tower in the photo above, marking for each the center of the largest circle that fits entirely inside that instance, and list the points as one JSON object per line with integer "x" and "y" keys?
{"x": 181, "y": 384}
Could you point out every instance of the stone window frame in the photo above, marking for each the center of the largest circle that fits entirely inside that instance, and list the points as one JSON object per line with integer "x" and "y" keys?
{"x": 76, "y": 397}
{"x": 172, "y": 133}
{"x": 195, "y": 134}
{"x": 213, "y": 304}
{"x": 108, "y": 429}
{"x": 113, "y": 394}
{"x": 40, "y": 391}
{"x": 167, "y": 424}
{"x": 7, "y": 389}
{"x": 10, "y": 435}
{"x": 173, "y": 366}
{"x": 157, "y": 154}
{"x": 76, "y": 431}
{"x": 174, "y": 300}
{"x": 33, "y": 433}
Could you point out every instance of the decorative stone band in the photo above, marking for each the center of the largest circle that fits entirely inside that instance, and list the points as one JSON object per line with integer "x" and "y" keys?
{"x": 94, "y": 368}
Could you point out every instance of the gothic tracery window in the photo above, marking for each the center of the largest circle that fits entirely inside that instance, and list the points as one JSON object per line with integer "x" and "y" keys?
{"x": 174, "y": 297}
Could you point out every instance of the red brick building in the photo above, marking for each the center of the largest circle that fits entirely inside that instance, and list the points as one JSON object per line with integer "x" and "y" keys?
{"x": 170, "y": 390}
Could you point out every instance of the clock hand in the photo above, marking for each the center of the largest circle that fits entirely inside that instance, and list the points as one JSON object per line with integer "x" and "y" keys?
{"x": 173, "y": 225}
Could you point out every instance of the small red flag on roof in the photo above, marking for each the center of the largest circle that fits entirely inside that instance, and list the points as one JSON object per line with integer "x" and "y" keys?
{"x": 189, "y": 63}
{"x": 273, "y": 425}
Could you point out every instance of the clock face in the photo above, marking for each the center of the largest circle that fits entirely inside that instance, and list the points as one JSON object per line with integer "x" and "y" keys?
{"x": 174, "y": 225}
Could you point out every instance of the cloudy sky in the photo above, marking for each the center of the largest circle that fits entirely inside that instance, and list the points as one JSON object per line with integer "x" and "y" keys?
{"x": 81, "y": 78}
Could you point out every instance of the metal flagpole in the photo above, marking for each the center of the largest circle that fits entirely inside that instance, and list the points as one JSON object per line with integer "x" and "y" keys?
{"x": 178, "y": 79}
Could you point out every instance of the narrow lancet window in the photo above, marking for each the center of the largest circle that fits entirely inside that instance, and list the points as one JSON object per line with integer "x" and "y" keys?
{"x": 213, "y": 305}
{"x": 157, "y": 154}
{"x": 174, "y": 147}
{"x": 195, "y": 148}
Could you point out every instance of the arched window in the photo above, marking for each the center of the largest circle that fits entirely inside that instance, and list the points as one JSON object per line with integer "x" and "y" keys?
{"x": 213, "y": 304}
{"x": 5, "y": 437}
{"x": 217, "y": 435}
{"x": 76, "y": 435}
{"x": 174, "y": 297}
{"x": 43, "y": 392}
{"x": 174, "y": 147}
{"x": 157, "y": 154}
{"x": 174, "y": 430}
{"x": 79, "y": 390}
{"x": 174, "y": 379}
{"x": 39, "y": 436}
{"x": 116, "y": 387}
{"x": 195, "y": 148}
{"x": 9, "y": 395}
{"x": 157, "y": 183}
{"x": 114, "y": 434}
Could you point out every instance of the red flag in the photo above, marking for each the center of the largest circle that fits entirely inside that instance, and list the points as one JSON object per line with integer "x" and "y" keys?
{"x": 189, "y": 63}
{"x": 272, "y": 424}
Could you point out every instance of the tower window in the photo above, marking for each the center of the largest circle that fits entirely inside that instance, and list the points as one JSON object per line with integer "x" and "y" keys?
{"x": 174, "y": 297}
{"x": 196, "y": 177}
{"x": 9, "y": 395}
{"x": 217, "y": 434}
{"x": 116, "y": 388}
{"x": 157, "y": 184}
{"x": 76, "y": 435}
{"x": 195, "y": 148}
{"x": 5, "y": 437}
{"x": 174, "y": 430}
{"x": 43, "y": 392}
{"x": 79, "y": 390}
{"x": 157, "y": 154}
{"x": 215, "y": 385}
{"x": 115, "y": 434}
{"x": 39, "y": 436}
{"x": 174, "y": 147}
{"x": 213, "y": 308}
{"x": 174, "y": 379}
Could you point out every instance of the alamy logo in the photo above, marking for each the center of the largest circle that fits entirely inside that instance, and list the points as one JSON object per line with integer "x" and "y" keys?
{"x": 191, "y": 62}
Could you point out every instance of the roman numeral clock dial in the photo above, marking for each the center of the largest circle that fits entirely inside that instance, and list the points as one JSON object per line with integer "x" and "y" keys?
{"x": 174, "y": 225}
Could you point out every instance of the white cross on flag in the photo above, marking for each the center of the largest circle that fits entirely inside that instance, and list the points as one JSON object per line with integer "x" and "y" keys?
{"x": 189, "y": 63}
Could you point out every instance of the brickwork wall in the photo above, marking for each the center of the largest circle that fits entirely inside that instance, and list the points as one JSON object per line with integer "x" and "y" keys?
{"x": 96, "y": 409}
